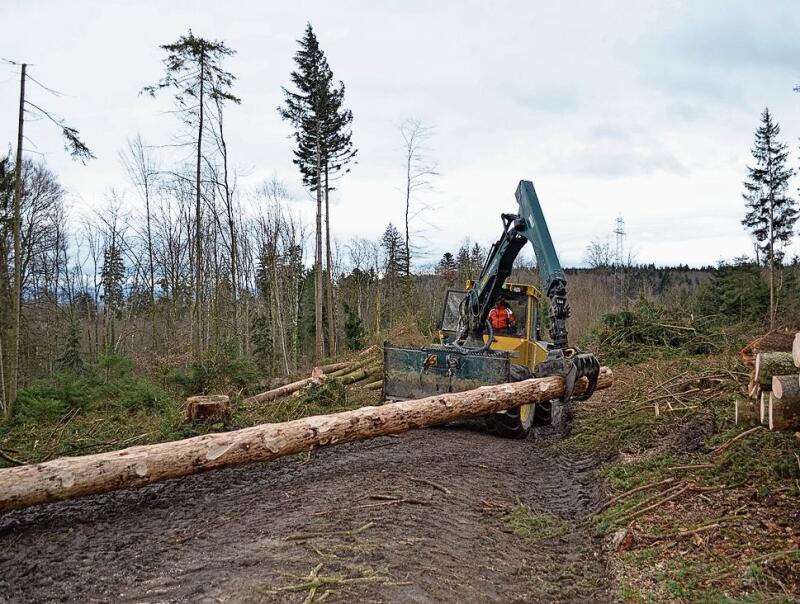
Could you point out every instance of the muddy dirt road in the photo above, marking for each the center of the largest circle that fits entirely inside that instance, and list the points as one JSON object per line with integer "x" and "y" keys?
{"x": 414, "y": 518}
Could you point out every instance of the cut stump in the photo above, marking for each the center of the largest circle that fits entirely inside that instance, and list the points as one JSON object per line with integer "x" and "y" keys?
{"x": 211, "y": 408}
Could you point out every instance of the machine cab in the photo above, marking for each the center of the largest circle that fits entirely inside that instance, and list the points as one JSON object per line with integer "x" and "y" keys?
{"x": 522, "y": 341}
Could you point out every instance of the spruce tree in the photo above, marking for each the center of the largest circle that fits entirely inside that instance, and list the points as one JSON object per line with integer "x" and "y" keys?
{"x": 771, "y": 214}
{"x": 72, "y": 359}
{"x": 323, "y": 149}
{"x": 304, "y": 109}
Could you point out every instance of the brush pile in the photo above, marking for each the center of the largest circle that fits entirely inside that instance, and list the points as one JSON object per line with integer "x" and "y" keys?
{"x": 774, "y": 389}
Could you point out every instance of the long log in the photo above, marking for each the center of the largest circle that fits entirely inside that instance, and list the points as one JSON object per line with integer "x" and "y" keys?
{"x": 271, "y": 395}
{"x": 331, "y": 367}
{"x": 796, "y": 350}
{"x": 356, "y": 365}
{"x": 786, "y": 388}
{"x": 769, "y": 364}
{"x": 361, "y": 374}
{"x": 783, "y": 415}
{"x": 70, "y": 477}
{"x": 747, "y": 413}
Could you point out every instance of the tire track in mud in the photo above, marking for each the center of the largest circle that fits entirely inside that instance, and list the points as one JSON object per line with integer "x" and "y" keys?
{"x": 222, "y": 536}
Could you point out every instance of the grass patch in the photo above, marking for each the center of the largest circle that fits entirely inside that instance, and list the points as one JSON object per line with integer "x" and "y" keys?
{"x": 534, "y": 526}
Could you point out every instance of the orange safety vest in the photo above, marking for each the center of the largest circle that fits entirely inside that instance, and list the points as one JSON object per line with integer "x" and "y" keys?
{"x": 500, "y": 318}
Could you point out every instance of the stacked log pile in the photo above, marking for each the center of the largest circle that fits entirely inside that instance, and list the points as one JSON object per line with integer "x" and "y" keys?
{"x": 774, "y": 387}
{"x": 365, "y": 370}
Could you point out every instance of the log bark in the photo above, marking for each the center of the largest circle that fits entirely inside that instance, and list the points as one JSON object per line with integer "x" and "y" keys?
{"x": 356, "y": 365}
{"x": 786, "y": 388}
{"x": 783, "y": 415}
{"x": 763, "y": 404}
{"x": 271, "y": 395}
{"x": 361, "y": 374}
{"x": 376, "y": 385}
{"x": 747, "y": 413}
{"x": 211, "y": 408}
{"x": 769, "y": 364}
{"x": 330, "y": 368}
{"x": 796, "y": 350}
{"x": 70, "y": 477}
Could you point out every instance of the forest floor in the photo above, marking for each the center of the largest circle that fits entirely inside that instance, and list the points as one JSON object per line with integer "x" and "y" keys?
{"x": 454, "y": 514}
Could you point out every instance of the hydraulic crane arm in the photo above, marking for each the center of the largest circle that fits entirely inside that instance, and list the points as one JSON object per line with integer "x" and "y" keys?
{"x": 528, "y": 225}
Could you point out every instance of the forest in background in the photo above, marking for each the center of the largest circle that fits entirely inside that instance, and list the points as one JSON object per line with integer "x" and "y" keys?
{"x": 201, "y": 285}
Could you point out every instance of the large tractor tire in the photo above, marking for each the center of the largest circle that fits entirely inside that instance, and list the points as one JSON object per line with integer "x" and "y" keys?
{"x": 514, "y": 423}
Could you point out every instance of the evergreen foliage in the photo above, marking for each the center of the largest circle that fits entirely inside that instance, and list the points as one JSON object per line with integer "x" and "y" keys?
{"x": 771, "y": 214}
{"x": 353, "y": 328}
{"x": 72, "y": 358}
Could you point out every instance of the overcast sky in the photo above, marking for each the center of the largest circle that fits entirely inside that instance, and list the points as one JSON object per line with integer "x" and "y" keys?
{"x": 640, "y": 109}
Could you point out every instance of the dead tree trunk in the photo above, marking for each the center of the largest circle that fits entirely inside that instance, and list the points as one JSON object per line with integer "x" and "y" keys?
{"x": 70, "y": 477}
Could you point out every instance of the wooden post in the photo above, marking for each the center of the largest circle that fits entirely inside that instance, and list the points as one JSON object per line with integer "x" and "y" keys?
{"x": 70, "y": 477}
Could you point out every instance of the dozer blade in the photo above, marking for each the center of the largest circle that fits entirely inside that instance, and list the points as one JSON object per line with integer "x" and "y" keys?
{"x": 411, "y": 373}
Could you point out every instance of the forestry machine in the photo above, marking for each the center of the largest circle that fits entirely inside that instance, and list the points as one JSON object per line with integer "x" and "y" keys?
{"x": 471, "y": 354}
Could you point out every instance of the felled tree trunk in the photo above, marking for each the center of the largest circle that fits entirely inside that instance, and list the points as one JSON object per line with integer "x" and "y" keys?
{"x": 783, "y": 415}
{"x": 747, "y": 413}
{"x": 70, "y": 477}
{"x": 212, "y": 408}
{"x": 796, "y": 350}
{"x": 769, "y": 364}
{"x": 271, "y": 395}
{"x": 786, "y": 388}
{"x": 763, "y": 406}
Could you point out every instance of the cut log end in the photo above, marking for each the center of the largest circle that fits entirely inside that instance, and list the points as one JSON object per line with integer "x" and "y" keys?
{"x": 783, "y": 415}
{"x": 769, "y": 364}
{"x": 786, "y": 388}
{"x": 796, "y": 350}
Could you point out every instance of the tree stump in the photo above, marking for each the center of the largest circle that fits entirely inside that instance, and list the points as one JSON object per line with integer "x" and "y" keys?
{"x": 212, "y": 409}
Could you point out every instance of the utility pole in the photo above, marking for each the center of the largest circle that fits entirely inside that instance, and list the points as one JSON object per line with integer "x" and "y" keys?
{"x": 11, "y": 395}
{"x": 619, "y": 263}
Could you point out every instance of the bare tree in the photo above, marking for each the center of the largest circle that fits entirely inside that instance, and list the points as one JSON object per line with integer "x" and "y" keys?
{"x": 419, "y": 173}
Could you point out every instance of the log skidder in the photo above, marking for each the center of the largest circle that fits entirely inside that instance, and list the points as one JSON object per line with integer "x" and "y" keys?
{"x": 490, "y": 332}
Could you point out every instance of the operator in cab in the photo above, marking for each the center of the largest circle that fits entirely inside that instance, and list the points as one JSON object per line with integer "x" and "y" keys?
{"x": 501, "y": 318}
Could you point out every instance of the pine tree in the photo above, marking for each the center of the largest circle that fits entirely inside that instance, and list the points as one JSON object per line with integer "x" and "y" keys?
{"x": 305, "y": 110}
{"x": 112, "y": 275}
{"x": 447, "y": 268}
{"x": 394, "y": 265}
{"x": 771, "y": 212}
{"x": 72, "y": 358}
{"x": 353, "y": 328}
